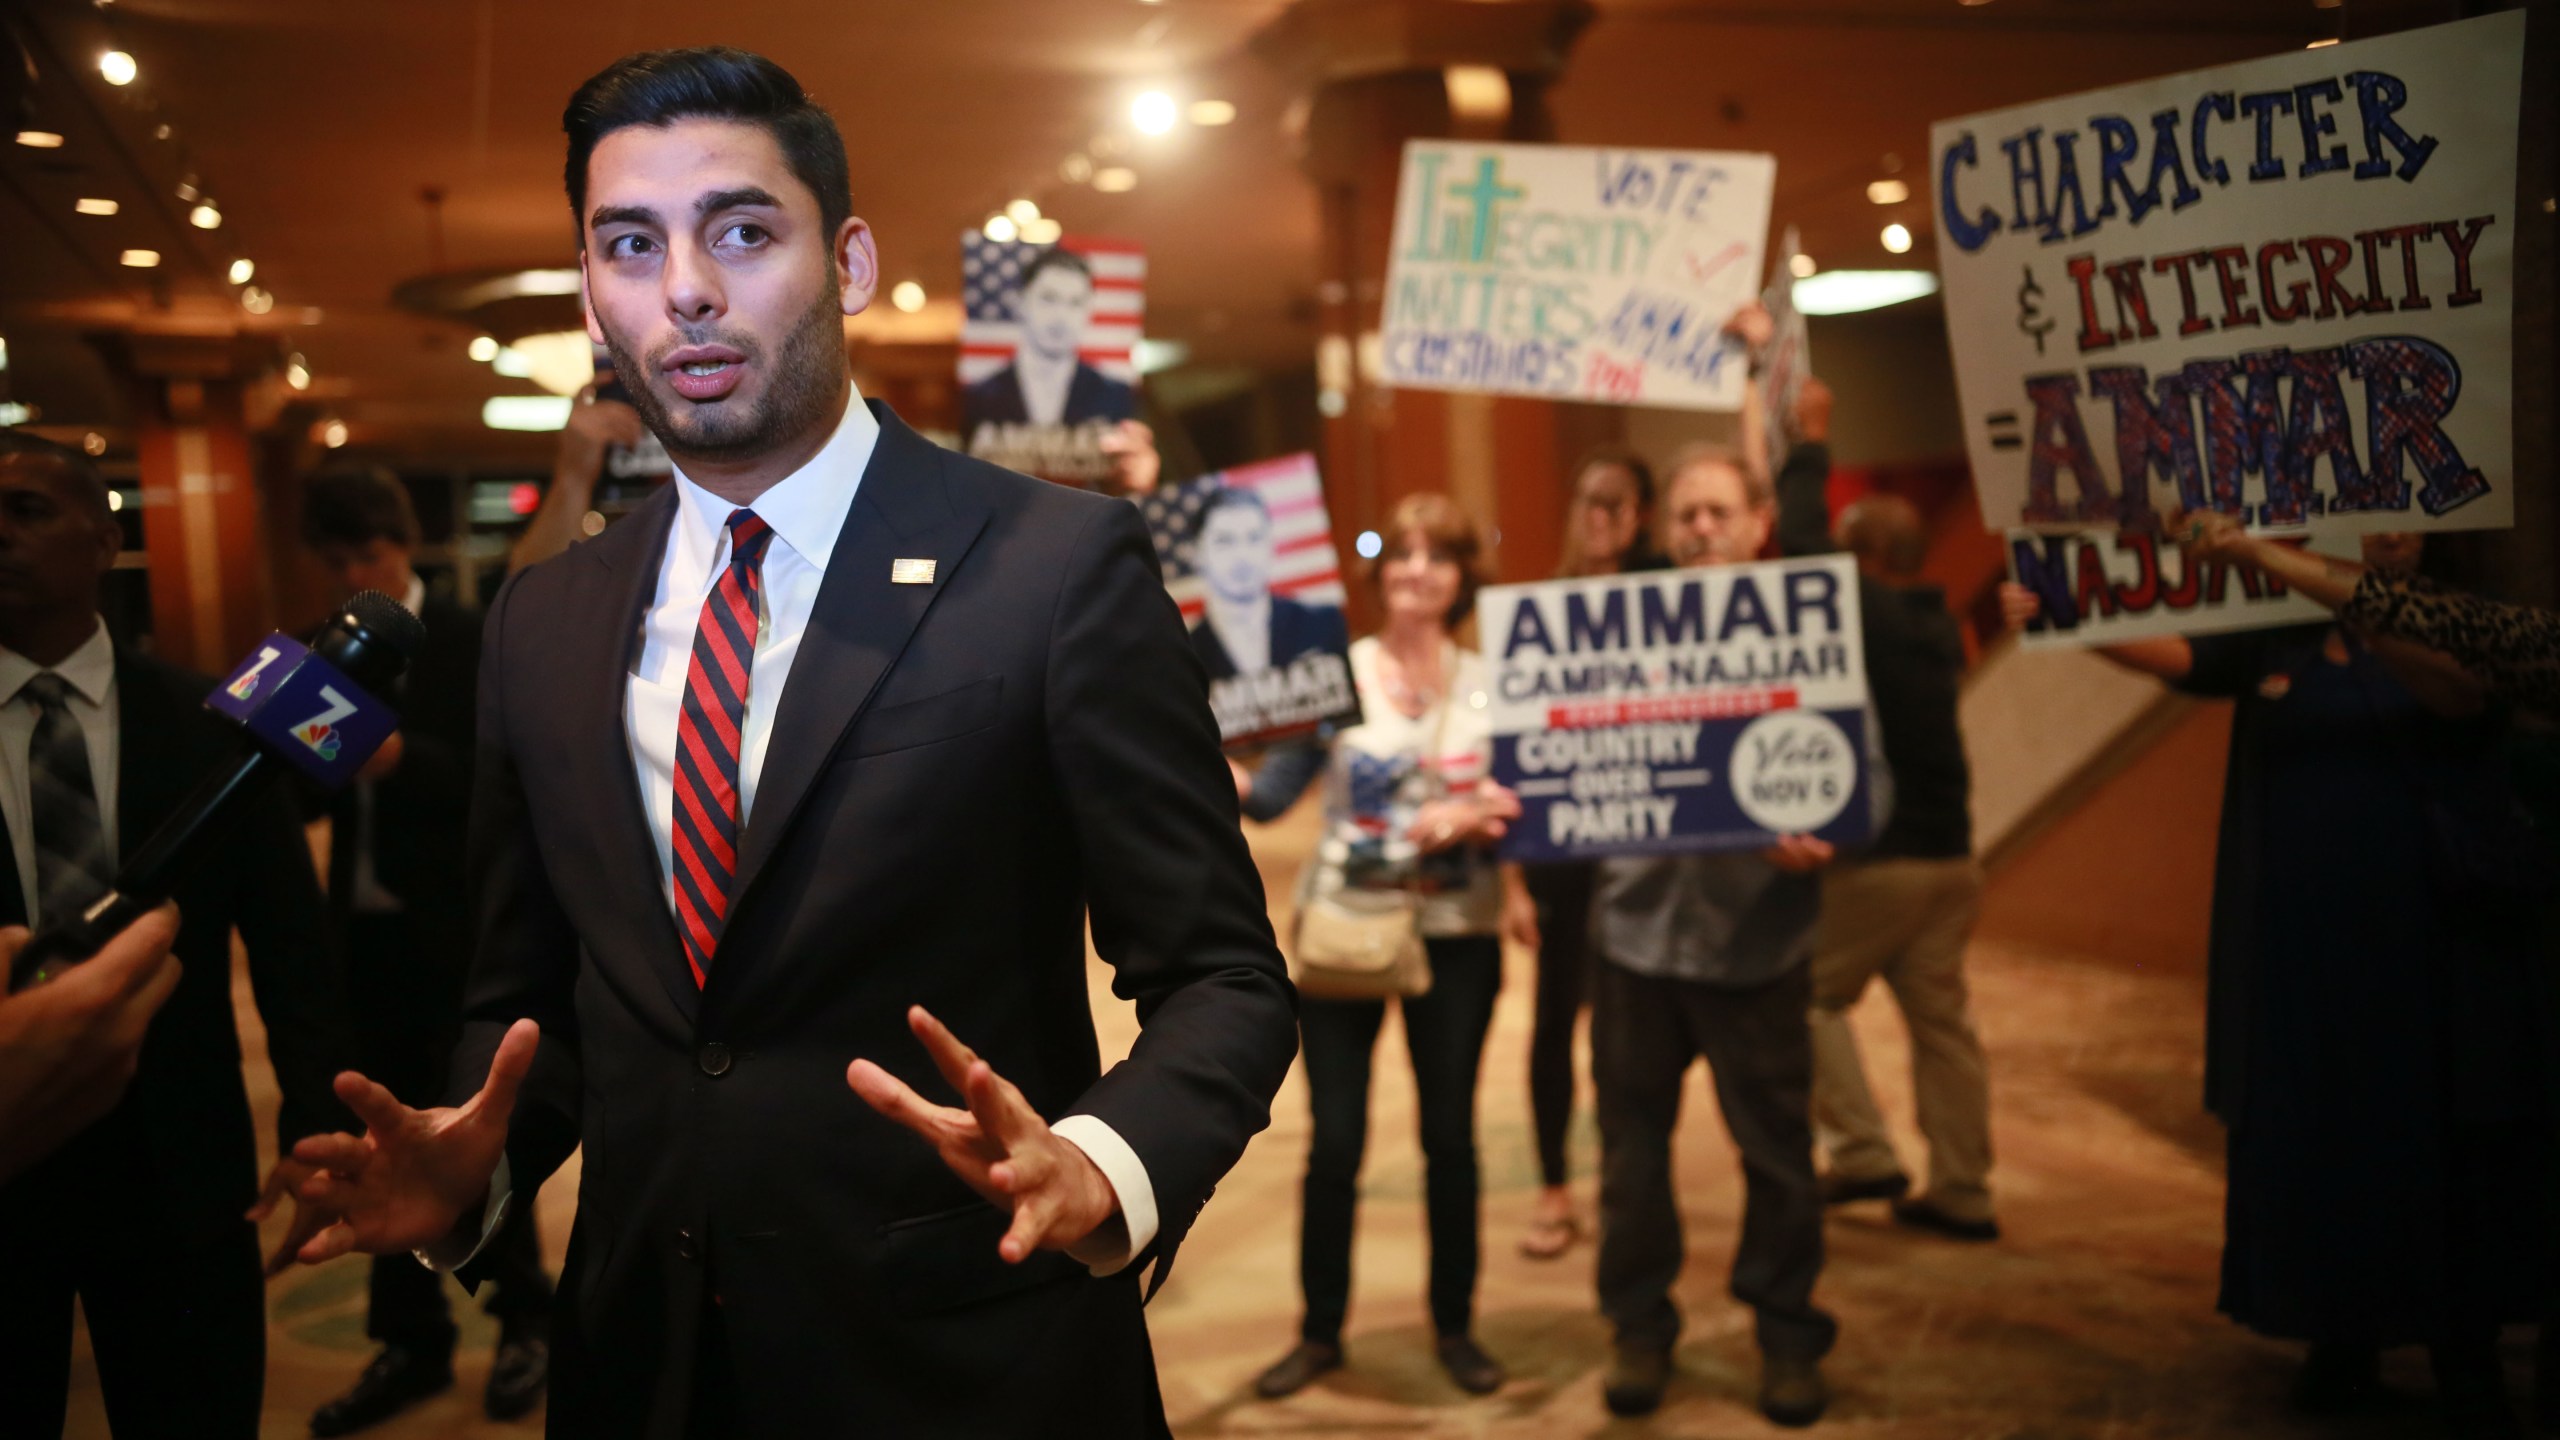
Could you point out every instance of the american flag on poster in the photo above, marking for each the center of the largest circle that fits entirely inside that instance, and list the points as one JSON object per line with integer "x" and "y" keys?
{"x": 991, "y": 276}
{"x": 1304, "y": 565}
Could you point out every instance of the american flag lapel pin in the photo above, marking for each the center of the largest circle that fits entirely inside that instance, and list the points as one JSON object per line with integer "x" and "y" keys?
{"x": 910, "y": 572}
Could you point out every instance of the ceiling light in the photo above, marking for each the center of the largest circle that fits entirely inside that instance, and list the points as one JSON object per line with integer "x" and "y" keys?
{"x": 1368, "y": 545}
{"x": 39, "y": 139}
{"x": 1150, "y": 355}
{"x": 1897, "y": 238}
{"x": 1043, "y": 231}
{"x": 140, "y": 259}
{"x": 1000, "y": 228}
{"x": 526, "y": 412}
{"x": 93, "y": 443}
{"x": 297, "y": 374}
{"x": 88, "y": 206}
{"x": 560, "y": 361}
{"x": 1845, "y": 292}
{"x": 1211, "y": 112}
{"x": 13, "y": 413}
{"x": 115, "y": 500}
{"x": 187, "y": 190}
{"x": 1887, "y": 192}
{"x": 1477, "y": 92}
{"x": 241, "y": 270}
{"x": 1114, "y": 179}
{"x": 334, "y": 434}
{"x": 2321, "y": 44}
{"x": 118, "y": 67}
{"x": 1076, "y": 169}
{"x": 4, "y": 352}
{"x": 1153, "y": 113}
{"x": 161, "y": 132}
{"x": 1022, "y": 211}
{"x": 908, "y": 296}
{"x": 256, "y": 301}
{"x": 483, "y": 349}
{"x": 205, "y": 217}
{"x": 1800, "y": 266}
{"x": 512, "y": 363}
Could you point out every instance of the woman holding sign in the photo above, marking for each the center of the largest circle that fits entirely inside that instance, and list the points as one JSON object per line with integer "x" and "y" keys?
{"x": 1406, "y": 857}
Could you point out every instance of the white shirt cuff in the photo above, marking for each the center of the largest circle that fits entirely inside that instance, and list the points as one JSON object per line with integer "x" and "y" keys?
{"x": 461, "y": 1247}
{"x": 1109, "y": 1250}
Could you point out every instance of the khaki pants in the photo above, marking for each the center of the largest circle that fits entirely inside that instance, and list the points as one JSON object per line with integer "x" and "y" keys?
{"x": 1906, "y": 921}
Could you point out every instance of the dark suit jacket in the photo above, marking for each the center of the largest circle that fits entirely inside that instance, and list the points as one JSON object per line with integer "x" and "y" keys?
{"x": 1092, "y": 395}
{"x": 421, "y": 811}
{"x": 958, "y": 773}
{"x": 1295, "y": 630}
{"x": 187, "y": 1112}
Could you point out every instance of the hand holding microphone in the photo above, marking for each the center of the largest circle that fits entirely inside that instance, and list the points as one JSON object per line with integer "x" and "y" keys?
{"x": 68, "y": 1050}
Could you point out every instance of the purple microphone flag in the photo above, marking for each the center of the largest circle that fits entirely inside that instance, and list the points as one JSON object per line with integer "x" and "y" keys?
{"x": 301, "y": 708}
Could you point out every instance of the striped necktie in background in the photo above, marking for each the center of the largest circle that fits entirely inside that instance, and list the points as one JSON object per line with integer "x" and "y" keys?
{"x": 707, "y": 744}
{"x": 73, "y": 866}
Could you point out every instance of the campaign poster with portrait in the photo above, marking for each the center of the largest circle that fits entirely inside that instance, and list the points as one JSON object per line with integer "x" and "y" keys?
{"x": 1047, "y": 351}
{"x": 1248, "y": 556}
{"x": 1712, "y": 708}
{"x": 1574, "y": 272}
{"x": 2099, "y": 588}
{"x": 2283, "y": 289}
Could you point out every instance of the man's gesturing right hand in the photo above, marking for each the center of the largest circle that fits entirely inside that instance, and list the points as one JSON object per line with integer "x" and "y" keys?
{"x": 414, "y": 1174}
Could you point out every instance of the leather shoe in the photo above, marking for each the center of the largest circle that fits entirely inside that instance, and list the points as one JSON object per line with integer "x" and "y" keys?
{"x": 1792, "y": 1391}
{"x": 1297, "y": 1370}
{"x": 1638, "y": 1374}
{"x": 521, "y": 1371}
{"x": 398, "y": 1378}
{"x": 1476, "y": 1372}
{"x": 1922, "y": 1214}
{"x": 1838, "y": 1189}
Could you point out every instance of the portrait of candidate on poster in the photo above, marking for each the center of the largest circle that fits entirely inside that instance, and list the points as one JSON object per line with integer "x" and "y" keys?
{"x": 1248, "y": 556}
{"x": 1046, "y": 367}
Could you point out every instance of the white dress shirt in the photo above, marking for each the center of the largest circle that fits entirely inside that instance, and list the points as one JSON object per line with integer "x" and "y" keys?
{"x": 807, "y": 511}
{"x": 90, "y": 671}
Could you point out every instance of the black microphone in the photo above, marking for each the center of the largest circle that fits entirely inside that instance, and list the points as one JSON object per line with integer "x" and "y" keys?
{"x": 310, "y": 708}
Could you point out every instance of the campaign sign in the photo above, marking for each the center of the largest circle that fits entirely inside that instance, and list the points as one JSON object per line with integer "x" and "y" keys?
{"x": 2282, "y": 289}
{"x": 1047, "y": 351}
{"x": 304, "y": 711}
{"x": 1248, "y": 556}
{"x": 1574, "y": 273}
{"x": 2098, "y": 589}
{"x": 1714, "y": 708}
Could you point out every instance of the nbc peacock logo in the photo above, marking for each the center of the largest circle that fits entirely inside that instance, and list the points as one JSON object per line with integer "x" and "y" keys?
{"x": 323, "y": 740}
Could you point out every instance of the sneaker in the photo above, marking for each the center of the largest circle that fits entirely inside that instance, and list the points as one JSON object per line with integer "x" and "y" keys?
{"x": 1297, "y": 1370}
{"x": 1792, "y": 1391}
{"x": 1638, "y": 1374}
{"x": 1476, "y": 1372}
{"x": 398, "y": 1378}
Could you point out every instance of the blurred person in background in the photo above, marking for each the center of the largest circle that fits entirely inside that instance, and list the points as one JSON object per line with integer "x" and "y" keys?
{"x": 146, "y": 1216}
{"x": 399, "y": 901}
{"x": 1707, "y": 955}
{"x": 1407, "y": 804}
{"x": 597, "y": 426}
{"x": 2379, "y": 1042}
{"x": 1608, "y": 530}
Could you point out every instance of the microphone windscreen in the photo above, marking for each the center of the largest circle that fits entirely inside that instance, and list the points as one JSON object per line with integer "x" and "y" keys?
{"x": 389, "y": 621}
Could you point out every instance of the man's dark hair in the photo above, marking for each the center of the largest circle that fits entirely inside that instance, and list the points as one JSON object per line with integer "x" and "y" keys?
{"x": 357, "y": 508}
{"x": 88, "y": 483}
{"x": 1056, "y": 257}
{"x": 1226, "y": 495}
{"x": 713, "y": 82}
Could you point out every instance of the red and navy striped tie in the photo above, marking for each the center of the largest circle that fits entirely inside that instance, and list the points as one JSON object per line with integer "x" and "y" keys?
{"x": 707, "y": 743}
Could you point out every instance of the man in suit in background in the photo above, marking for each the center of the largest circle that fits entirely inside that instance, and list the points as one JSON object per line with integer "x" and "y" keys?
{"x": 140, "y": 1216}
{"x": 397, "y": 895}
{"x": 839, "y": 736}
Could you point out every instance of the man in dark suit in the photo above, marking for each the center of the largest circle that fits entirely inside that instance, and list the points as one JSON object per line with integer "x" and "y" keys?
{"x": 838, "y": 737}
{"x": 398, "y": 898}
{"x": 1048, "y": 381}
{"x": 140, "y": 1216}
{"x": 1246, "y": 625}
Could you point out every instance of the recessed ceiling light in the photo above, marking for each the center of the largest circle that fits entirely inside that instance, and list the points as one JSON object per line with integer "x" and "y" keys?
{"x": 483, "y": 348}
{"x": 1043, "y": 231}
{"x": 2321, "y": 44}
{"x": 1076, "y": 169}
{"x": 297, "y": 374}
{"x": 1000, "y": 228}
{"x": 118, "y": 67}
{"x": 334, "y": 434}
{"x": 1113, "y": 179}
{"x": 94, "y": 443}
{"x": 1845, "y": 292}
{"x": 256, "y": 301}
{"x": 526, "y": 412}
{"x": 1888, "y": 192}
{"x": 1897, "y": 238}
{"x": 1801, "y": 266}
{"x": 1211, "y": 112}
{"x": 90, "y": 205}
{"x": 241, "y": 270}
{"x": 1153, "y": 112}
{"x": 205, "y": 217}
{"x": 1022, "y": 211}
{"x": 140, "y": 259}
{"x": 39, "y": 139}
{"x": 907, "y": 296}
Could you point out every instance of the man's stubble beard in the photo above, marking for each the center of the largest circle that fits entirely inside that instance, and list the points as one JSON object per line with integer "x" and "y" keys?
{"x": 804, "y": 384}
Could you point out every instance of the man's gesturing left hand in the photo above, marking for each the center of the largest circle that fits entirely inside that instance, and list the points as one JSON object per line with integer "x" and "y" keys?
{"x": 999, "y": 1145}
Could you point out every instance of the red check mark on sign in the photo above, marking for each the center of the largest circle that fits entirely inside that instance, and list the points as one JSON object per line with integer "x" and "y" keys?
{"x": 1702, "y": 270}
